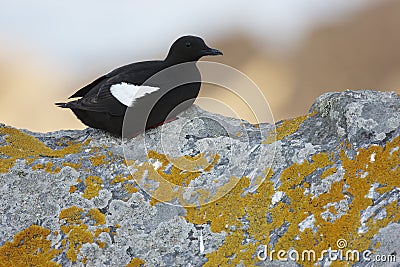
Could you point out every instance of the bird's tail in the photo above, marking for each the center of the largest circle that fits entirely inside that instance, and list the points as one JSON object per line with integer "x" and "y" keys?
{"x": 61, "y": 105}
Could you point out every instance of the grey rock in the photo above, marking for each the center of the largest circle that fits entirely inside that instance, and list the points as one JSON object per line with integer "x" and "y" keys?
{"x": 209, "y": 190}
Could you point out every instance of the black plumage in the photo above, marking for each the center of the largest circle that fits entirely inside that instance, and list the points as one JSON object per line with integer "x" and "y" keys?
{"x": 167, "y": 87}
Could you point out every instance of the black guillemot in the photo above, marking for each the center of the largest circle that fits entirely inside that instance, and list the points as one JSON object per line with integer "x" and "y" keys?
{"x": 150, "y": 91}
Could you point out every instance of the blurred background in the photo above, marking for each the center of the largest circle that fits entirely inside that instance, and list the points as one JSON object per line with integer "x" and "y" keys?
{"x": 294, "y": 50}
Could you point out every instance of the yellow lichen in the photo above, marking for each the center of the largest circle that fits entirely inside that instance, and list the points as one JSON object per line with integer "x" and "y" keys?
{"x": 360, "y": 174}
{"x": 72, "y": 189}
{"x": 24, "y": 146}
{"x": 98, "y": 160}
{"x": 222, "y": 215}
{"x": 127, "y": 183}
{"x": 130, "y": 188}
{"x": 135, "y": 262}
{"x": 76, "y": 166}
{"x": 48, "y": 167}
{"x": 80, "y": 235}
{"x": 77, "y": 236}
{"x": 118, "y": 179}
{"x": 101, "y": 244}
{"x": 97, "y": 216}
{"x": 72, "y": 215}
{"x": 171, "y": 185}
{"x": 37, "y": 167}
{"x": 328, "y": 172}
{"x": 77, "y": 233}
{"x": 29, "y": 247}
{"x": 213, "y": 163}
{"x": 93, "y": 186}
{"x": 286, "y": 128}
{"x": 98, "y": 231}
{"x": 179, "y": 176}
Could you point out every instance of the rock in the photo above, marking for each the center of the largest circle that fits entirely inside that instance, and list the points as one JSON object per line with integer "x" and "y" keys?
{"x": 209, "y": 190}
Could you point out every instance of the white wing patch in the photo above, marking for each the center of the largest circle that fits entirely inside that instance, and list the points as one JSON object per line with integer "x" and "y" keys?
{"x": 127, "y": 93}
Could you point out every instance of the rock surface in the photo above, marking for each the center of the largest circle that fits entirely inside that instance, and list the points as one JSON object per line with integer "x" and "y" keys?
{"x": 209, "y": 190}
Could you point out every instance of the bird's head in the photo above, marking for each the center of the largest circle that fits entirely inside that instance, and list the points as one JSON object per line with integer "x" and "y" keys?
{"x": 190, "y": 48}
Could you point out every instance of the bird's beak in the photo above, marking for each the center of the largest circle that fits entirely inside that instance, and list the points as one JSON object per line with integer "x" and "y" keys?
{"x": 211, "y": 52}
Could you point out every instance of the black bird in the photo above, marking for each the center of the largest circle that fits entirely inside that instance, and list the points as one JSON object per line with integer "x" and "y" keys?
{"x": 150, "y": 92}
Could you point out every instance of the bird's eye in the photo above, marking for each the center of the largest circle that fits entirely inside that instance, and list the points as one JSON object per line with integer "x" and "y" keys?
{"x": 188, "y": 44}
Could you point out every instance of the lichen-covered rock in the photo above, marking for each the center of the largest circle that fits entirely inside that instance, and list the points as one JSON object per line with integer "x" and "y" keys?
{"x": 322, "y": 189}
